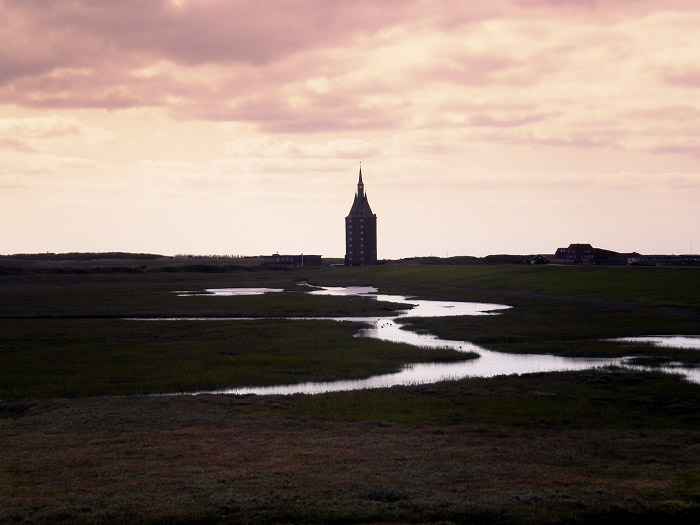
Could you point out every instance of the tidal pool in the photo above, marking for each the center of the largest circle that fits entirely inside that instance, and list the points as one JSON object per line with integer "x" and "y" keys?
{"x": 488, "y": 364}
{"x": 416, "y": 307}
{"x": 229, "y": 291}
{"x": 689, "y": 342}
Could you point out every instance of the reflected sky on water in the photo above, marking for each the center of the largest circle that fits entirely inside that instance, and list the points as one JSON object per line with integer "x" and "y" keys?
{"x": 488, "y": 364}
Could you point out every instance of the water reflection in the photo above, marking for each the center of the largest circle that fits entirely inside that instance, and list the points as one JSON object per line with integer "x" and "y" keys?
{"x": 688, "y": 342}
{"x": 488, "y": 363}
{"x": 426, "y": 373}
{"x": 416, "y": 307}
{"x": 228, "y": 291}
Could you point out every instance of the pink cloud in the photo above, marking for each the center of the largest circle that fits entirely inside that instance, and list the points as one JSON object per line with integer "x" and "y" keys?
{"x": 691, "y": 147}
{"x": 17, "y": 145}
{"x": 197, "y": 32}
{"x": 32, "y": 135}
{"x": 471, "y": 70}
{"x": 685, "y": 77}
{"x": 511, "y": 71}
{"x": 511, "y": 120}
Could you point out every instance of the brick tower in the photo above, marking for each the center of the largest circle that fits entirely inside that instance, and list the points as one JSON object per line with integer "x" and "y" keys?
{"x": 360, "y": 231}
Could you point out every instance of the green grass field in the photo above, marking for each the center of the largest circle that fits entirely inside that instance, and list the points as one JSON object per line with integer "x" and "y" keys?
{"x": 42, "y": 358}
{"x": 652, "y": 286}
{"x": 564, "y": 310}
{"x": 576, "y": 447}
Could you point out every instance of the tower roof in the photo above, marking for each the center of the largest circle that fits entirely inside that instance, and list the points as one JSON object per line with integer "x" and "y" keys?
{"x": 360, "y": 206}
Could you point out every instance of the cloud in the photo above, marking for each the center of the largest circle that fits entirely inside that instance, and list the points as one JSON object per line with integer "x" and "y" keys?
{"x": 553, "y": 73}
{"x": 268, "y": 147}
{"x": 36, "y": 135}
{"x": 42, "y": 171}
{"x": 241, "y": 172}
{"x": 685, "y": 77}
{"x": 17, "y": 145}
{"x": 51, "y": 126}
{"x": 192, "y": 33}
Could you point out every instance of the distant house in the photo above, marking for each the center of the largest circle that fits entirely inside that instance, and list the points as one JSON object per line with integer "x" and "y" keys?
{"x": 633, "y": 259}
{"x": 587, "y": 254}
{"x": 538, "y": 259}
{"x": 291, "y": 260}
{"x": 576, "y": 254}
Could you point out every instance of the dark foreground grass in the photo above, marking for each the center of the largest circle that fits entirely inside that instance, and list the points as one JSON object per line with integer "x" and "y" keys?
{"x": 614, "y": 399}
{"x": 87, "y": 357}
{"x": 546, "y": 448}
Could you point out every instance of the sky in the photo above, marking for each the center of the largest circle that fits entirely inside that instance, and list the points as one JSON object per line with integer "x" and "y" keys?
{"x": 235, "y": 127}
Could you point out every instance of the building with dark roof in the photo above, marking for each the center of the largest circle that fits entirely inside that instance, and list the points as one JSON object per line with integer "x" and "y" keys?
{"x": 291, "y": 260}
{"x": 360, "y": 230}
{"x": 587, "y": 254}
{"x": 577, "y": 254}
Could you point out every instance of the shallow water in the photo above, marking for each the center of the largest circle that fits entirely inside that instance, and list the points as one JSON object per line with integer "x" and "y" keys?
{"x": 488, "y": 363}
{"x": 229, "y": 291}
{"x": 426, "y": 373}
{"x": 417, "y": 307}
{"x": 688, "y": 342}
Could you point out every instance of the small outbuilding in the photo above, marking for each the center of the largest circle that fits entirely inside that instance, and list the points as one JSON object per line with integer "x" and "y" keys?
{"x": 291, "y": 260}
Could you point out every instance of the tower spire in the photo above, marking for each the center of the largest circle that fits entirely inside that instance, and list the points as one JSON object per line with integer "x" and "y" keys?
{"x": 360, "y": 185}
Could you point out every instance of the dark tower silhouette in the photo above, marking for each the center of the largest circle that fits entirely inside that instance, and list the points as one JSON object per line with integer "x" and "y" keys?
{"x": 360, "y": 230}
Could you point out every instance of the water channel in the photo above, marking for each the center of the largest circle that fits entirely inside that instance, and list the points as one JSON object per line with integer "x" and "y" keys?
{"x": 488, "y": 364}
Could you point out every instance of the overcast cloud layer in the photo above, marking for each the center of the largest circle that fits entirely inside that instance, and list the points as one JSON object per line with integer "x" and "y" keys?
{"x": 483, "y": 127}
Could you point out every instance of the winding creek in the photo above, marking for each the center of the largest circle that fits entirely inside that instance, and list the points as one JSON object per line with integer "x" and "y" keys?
{"x": 489, "y": 363}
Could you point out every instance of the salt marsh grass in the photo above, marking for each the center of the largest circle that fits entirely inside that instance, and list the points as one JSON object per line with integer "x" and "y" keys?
{"x": 87, "y": 357}
{"x": 575, "y": 447}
